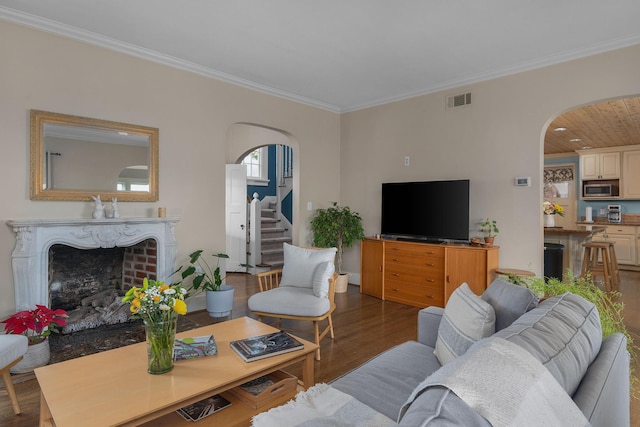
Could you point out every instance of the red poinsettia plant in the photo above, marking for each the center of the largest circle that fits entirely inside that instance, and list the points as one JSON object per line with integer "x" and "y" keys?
{"x": 35, "y": 324}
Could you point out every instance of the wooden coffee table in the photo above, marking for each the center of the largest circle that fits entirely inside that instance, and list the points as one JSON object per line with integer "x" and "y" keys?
{"x": 113, "y": 388}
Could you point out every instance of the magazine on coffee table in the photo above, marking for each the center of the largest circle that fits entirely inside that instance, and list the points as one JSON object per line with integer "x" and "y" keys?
{"x": 193, "y": 347}
{"x": 260, "y": 347}
{"x": 203, "y": 408}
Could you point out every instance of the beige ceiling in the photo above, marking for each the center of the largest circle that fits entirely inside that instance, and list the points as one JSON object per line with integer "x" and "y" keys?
{"x": 607, "y": 124}
{"x": 342, "y": 55}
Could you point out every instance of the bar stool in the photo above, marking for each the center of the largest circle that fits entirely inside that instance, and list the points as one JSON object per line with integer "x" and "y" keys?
{"x": 593, "y": 251}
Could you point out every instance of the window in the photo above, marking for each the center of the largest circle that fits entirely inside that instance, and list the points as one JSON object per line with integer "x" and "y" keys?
{"x": 557, "y": 182}
{"x": 257, "y": 167}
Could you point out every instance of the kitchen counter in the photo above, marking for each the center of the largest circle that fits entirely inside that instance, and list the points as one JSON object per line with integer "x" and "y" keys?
{"x": 572, "y": 239}
{"x": 580, "y": 228}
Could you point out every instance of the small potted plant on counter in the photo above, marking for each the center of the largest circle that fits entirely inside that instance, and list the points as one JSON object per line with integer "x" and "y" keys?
{"x": 490, "y": 228}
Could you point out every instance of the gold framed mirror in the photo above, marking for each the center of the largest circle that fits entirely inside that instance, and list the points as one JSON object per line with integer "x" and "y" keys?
{"x": 74, "y": 158}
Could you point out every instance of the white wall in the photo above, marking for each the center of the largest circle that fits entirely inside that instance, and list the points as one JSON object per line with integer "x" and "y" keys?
{"x": 497, "y": 138}
{"x": 193, "y": 113}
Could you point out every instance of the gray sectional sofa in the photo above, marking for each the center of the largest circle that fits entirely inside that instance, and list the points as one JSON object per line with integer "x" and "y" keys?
{"x": 562, "y": 332}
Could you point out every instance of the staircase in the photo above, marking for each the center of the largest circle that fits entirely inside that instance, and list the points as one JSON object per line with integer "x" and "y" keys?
{"x": 272, "y": 236}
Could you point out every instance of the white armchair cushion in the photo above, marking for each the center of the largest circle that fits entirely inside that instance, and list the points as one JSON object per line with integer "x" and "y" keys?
{"x": 11, "y": 348}
{"x": 290, "y": 301}
{"x": 321, "y": 276}
{"x": 300, "y": 265}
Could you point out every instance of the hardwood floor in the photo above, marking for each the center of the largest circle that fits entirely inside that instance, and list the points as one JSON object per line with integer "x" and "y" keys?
{"x": 364, "y": 326}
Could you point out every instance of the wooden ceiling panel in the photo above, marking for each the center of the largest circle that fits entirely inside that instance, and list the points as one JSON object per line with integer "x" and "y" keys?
{"x": 608, "y": 124}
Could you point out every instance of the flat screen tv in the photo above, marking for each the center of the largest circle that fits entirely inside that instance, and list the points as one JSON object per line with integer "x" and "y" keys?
{"x": 430, "y": 210}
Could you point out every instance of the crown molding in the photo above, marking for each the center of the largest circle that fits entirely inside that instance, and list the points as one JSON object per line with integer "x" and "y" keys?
{"x": 137, "y": 51}
{"x": 503, "y": 72}
{"x": 57, "y": 28}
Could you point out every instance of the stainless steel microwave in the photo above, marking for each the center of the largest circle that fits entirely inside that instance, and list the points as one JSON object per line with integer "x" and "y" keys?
{"x": 597, "y": 190}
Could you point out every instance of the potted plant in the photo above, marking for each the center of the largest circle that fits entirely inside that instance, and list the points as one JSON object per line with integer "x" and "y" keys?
{"x": 208, "y": 279}
{"x": 339, "y": 227}
{"x": 36, "y": 325}
{"x": 490, "y": 228}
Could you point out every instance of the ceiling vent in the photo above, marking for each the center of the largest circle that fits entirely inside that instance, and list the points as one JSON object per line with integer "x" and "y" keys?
{"x": 461, "y": 100}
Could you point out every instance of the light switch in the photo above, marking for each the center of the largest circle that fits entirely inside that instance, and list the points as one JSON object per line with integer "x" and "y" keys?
{"x": 309, "y": 206}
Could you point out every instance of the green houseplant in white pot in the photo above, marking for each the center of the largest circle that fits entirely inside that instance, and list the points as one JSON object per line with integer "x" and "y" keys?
{"x": 339, "y": 227}
{"x": 208, "y": 279}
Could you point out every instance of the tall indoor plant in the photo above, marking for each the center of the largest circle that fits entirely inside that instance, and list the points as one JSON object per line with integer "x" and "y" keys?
{"x": 339, "y": 227}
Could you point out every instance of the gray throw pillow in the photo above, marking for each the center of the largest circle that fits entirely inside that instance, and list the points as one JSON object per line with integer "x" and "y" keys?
{"x": 509, "y": 301}
{"x": 466, "y": 319}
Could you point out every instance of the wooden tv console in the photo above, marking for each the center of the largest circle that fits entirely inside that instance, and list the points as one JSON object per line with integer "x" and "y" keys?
{"x": 423, "y": 274}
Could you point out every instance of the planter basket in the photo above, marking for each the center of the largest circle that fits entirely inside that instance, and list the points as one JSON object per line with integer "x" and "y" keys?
{"x": 37, "y": 355}
{"x": 342, "y": 283}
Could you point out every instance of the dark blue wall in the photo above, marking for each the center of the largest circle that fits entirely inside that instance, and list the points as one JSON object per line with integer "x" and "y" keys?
{"x": 271, "y": 189}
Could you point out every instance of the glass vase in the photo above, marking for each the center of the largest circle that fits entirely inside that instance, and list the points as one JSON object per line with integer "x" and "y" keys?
{"x": 160, "y": 339}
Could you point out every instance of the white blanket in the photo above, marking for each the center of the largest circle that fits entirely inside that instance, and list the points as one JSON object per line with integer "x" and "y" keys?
{"x": 322, "y": 405}
{"x": 506, "y": 385}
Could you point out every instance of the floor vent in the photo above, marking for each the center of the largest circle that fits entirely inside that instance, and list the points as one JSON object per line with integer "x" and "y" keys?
{"x": 461, "y": 100}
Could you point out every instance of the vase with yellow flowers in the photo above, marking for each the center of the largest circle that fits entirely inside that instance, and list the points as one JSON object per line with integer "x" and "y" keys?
{"x": 158, "y": 305}
{"x": 549, "y": 211}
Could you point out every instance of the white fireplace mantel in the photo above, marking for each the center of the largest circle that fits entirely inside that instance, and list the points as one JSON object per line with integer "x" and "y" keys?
{"x": 34, "y": 237}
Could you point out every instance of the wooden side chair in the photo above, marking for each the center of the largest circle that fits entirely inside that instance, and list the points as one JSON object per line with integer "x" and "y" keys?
{"x": 304, "y": 289}
{"x": 12, "y": 348}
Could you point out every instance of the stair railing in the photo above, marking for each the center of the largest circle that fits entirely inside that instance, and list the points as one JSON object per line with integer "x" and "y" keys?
{"x": 255, "y": 231}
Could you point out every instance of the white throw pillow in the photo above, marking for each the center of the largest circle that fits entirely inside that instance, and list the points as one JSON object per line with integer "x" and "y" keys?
{"x": 321, "y": 276}
{"x": 466, "y": 319}
{"x": 300, "y": 264}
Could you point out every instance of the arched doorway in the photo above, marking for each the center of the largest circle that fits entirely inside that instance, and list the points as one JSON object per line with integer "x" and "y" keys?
{"x": 608, "y": 129}
{"x": 271, "y": 173}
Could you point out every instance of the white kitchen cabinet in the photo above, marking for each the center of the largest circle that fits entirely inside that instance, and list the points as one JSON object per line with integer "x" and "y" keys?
{"x": 600, "y": 166}
{"x": 624, "y": 238}
{"x": 631, "y": 175}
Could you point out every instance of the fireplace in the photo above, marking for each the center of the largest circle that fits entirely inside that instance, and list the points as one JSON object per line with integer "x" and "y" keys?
{"x": 35, "y": 238}
{"x": 90, "y": 283}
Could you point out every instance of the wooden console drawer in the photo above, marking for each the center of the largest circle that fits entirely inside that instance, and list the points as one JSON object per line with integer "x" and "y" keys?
{"x": 415, "y": 295}
{"x": 416, "y": 249}
{"x": 415, "y": 264}
{"x": 420, "y": 276}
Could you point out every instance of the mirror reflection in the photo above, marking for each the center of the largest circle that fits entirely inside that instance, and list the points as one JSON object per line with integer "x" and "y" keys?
{"x": 76, "y": 157}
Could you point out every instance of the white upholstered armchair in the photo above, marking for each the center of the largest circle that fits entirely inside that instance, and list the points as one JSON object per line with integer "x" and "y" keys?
{"x": 303, "y": 289}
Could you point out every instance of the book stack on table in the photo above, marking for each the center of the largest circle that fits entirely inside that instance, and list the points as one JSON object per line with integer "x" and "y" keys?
{"x": 263, "y": 346}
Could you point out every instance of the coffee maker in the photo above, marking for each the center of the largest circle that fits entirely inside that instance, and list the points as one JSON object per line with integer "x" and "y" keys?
{"x": 614, "y": 214}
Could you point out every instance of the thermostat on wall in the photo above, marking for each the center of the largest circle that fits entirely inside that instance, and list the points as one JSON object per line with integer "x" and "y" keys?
{"x": 523, "y": 181}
